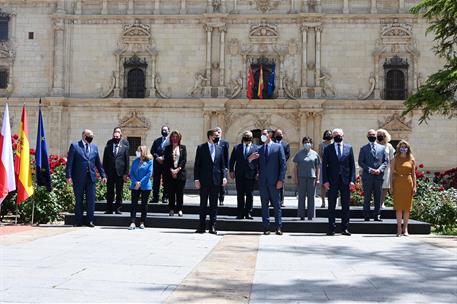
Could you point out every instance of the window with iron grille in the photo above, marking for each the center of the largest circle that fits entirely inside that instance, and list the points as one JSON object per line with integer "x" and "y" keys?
{"x": 395, "y": 73}
{"x": 3, "y": 79}
{"x": 135, "y": 81}
{"x": 134, "y": 143}
{"x": 4, "y": 28}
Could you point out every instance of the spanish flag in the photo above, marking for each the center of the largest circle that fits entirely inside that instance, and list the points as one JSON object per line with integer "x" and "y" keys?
{"x": 260, "y": 88}
{"x": 22, "y": 167}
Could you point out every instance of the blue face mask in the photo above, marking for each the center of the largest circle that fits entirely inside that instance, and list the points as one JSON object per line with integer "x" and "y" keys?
{"x": 307, "y": 146}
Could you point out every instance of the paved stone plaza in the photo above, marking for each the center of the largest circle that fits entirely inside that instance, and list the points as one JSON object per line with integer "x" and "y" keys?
{"x": 106, "y": 264}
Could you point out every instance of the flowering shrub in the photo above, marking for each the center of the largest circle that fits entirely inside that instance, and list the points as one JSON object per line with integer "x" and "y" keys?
{"x": 447, "y": 179}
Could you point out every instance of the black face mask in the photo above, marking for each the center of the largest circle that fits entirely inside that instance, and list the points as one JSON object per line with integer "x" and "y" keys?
{"x": 328, "y": 137}
{"x": 89, "y": 139}
{"x": 338, "y": 138}
{"x": 371, "y": 138}
{"x": 278, "y": 137}
{"x": 116, "y": 140}
{"x": 216, "y": 140}
{"x": 380, "y": 138}
{"x": 164, "y": 133}
{"x": 247, "y": 139}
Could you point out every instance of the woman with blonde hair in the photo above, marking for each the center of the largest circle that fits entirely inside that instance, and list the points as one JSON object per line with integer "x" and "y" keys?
{"x": 383, "y": 138}
{"x": 141, "y": 185}
{"x": 403, "y": 184}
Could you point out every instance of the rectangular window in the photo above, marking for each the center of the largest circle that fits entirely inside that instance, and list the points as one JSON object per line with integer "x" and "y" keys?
{"x": 3, "y": 79}
{"x": 134, "y": 143}
{"x": 31, "y": 35}
{"x": 4, "y": 28}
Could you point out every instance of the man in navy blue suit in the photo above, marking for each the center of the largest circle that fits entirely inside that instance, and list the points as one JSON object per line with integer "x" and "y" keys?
{"x": 244, "y": 175}
{"x": 82, "y": 162}
{"x": 338, "y": 169}
{"x": 157, "y": 149}
{"x": 271, "y": 163}
{"x": 373, "y": 159}
{"x": 209, "y": 176}
{"x": 225, "y": 151}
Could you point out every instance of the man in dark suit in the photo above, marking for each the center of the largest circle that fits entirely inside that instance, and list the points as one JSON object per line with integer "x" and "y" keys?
{"x": 279, "y": 139}
{"x": 338, "y": 169}
{"x": 225, "y": 150}
{"x": 82, "y": 162}
{"x": 244, "y": 175}
{"x": 116, "y": 165}
{"x": 271, "y": 163}
{"x": 373, "y": 159}
{"x": 209, "y": 176}
{"x": 157, "y": 149}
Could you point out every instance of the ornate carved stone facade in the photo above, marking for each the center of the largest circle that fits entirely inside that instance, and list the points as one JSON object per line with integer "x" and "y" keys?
{"x": 330, "y": 61}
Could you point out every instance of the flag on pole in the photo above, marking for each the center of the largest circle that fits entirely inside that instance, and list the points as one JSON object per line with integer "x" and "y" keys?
{"x": 22, "y": 162}
{"x": 250, "y": 93}
{"x": 271, "y": 82}
{"x": 260, "y": 88}
{"x": 7, "y": 181}
{"x": 43, "y": 174}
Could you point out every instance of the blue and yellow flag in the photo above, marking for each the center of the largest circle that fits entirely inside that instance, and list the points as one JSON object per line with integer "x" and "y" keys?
{"x": 271, "y": 82}
{"x": 43, "y": 174}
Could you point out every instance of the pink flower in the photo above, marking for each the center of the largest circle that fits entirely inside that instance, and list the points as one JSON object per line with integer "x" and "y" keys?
{"x": 421, "y": 165}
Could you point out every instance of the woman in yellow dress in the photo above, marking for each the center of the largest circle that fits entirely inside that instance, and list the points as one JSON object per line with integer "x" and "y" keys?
{"x": 403, "y": 184}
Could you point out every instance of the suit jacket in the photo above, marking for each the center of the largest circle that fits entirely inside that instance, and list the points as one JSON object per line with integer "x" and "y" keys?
{"x": 225, "y": 151}
{"x": 141, "y": 173}
{"x": 79, "y": 163}
{"x": 378, "y": 160}
{"x": 240, "y": 164}
{"x": 286, "y": 148}
{"x": 209, "y": 173}
{"x": 157, "y": 149}
{"x": 332, "y": 167}
{"x": 116, "y": 164}
{"x": 169, "y": 163}
{"x": 273, "y": 168}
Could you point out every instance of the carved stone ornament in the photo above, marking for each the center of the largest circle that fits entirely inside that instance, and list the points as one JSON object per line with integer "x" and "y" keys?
{"x": 197, "y": 89}
{"x": 372, "y": 83}
{"x": 111, "y": 86}
{"x": 264, "y": 33}
{"x": 265, "y": 5}
{"x": 234, "y": 47}
{"x": 396, "y": 124}
{"x": 157, "y": 91}
{"x": 6, "y": 50}
{"x": 134, "y": 121}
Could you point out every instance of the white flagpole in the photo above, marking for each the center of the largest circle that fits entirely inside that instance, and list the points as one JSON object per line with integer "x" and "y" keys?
{"x": 33, "y": 210}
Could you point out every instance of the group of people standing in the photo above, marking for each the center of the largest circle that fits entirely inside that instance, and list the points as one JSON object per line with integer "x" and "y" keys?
{"x": 331, "y": 169}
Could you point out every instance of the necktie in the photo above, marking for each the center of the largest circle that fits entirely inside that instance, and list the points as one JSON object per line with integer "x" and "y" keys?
{"x": 116, "y": 149}
{"x": 339, "y": 150}
{"x": 212, "y": 151}
{"x": 87, "y": 148}
{"x": 373, "y": 151}
{"x": 246, "y": 150}
{"x": 266, "y": 152}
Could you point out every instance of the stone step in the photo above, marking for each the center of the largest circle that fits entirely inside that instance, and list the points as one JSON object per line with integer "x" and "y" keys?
{"x": 229, "y": 223}
{"x": 230, "y": 210}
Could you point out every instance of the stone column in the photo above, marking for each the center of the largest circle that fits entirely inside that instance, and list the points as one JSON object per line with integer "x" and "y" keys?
{"x": 58, "y": 73}
{"x": 244, "y": 76}
{"x": 292, "y": 10}
{"x": 318, "y": 6}
{"x": 105, "y": 7}
{"x": 67, "y": 56}
{"x": 223, "y": 8}
{"x": 60, "y": 7}
{"x": 209, "y": 7}
{"x": 13, "y": 16}
{"x": 304, "y": 32}
{"x": 156, "y": 7}
{"x": 303, "y": 128}
{"x": 346, "y": 7}
{"x": 317, "y": 125}
{"x": 318, "y": 90}
{"x": 131, "y": 7}
{"x": 209, "y": 35}
{"x": 221, "y": 90}
{"x": 373, "y": 9}
{"x": 281, "y": 76}
{"x": 183, "y": 9}
{"x": 235, "y": 7}
{"x": 79, "y": 7}
{"x": 206, "y": 124}
{"x": 401, "y": 6}
{"x": 377, "y": 91}
{"x": 309, "y": 123}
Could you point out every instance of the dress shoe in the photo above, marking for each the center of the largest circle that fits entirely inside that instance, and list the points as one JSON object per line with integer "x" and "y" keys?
{"x": 171, "y": 213}
{"x": 367, "y": 218}
{"x": 91, "y": 225}
{"x": 108, "y": 212}
{"x": 249, "y": 217}
{"x": 346, "y": 232}
{"x": 200, "y": 230}
{"x": 282, "y": 204}
{"x": 221, "y": 203}
{"x": 165, "y": 201}
{"x": 132, "y": 226}
{"x": 141, "y": 226}
{"x": 118, "y": 212}
{"x": 212, "y": 230}
{"x": 154, "y": 201}
{"x": 77, "y": 225}
{"x": 179, "y": 213}
{"x": 240, "y": 217}
{"x": 302, "y": 218}
{"x": 323, "y": 206}
{"x": 331, "y": 233}
{"x": 377, "y": 218}
{"x": 278, "y": 231}
{"x": 266, "y": 232}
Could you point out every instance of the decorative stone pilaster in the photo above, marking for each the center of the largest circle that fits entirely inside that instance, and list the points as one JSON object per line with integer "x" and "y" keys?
{"x": 318, "y": 89}
{"x": 131, "y": 7}
{"x": 346, "y": 7}
{"x": 79, "y": 7}
{"x": 156, "y": 7}
{"x": 58, "y": 73}
{"x": 373, "y": 9}
{"x": 303, "y": 89}
{"x": 221, "y": 89}
{"x": 209, "y": 36}
{"x": 105, "y": 7}
{"x": 183, "y": 8}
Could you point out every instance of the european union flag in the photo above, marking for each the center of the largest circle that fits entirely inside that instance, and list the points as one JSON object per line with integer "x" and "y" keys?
{"x": 43, "y": 174}
{"x": 271, "y": 82}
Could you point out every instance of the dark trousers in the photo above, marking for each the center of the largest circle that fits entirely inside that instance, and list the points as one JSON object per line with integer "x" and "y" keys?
{"x": 175, "y": 194}
{"x": 269, "y": 194}
{"x": 157, "y": 177}
{"x": 372, "y": 186}
{"x": 211, "y": 193}
{"x": 343, "y": 189}
{"x": 144, "y": 204}
{"x": 281, "y": 195}
{"x": 114, "y": 183}
{"x": 84, "y": 188}
{"x": 221, "y": 194}
{"x": 244, "y": 197}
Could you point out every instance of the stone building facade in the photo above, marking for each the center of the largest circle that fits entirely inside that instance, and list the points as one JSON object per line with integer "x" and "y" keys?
{"x": 144, "y": 63}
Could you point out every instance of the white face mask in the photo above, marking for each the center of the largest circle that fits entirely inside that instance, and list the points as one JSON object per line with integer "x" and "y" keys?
{"x": 263, "y": 138}
{"x": 138, "y": 154}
